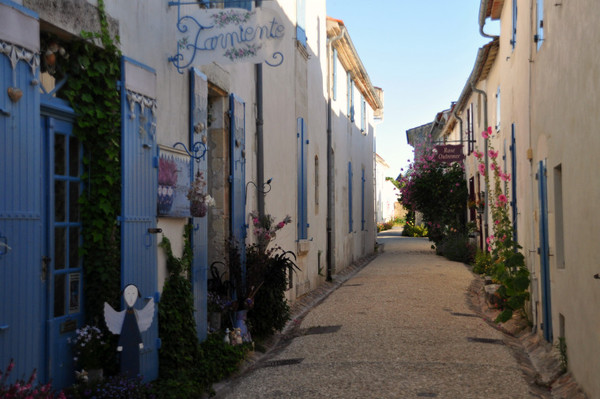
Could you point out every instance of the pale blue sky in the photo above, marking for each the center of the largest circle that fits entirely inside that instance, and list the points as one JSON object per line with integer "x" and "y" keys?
{"x": 420, "y": 52}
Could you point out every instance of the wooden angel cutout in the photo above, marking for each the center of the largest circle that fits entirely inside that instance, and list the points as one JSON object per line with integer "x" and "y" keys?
{"x": 129, "y": 324}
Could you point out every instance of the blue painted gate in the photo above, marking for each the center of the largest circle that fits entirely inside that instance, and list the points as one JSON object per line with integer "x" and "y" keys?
{"x": 544, "y": 251}
{"x": 23, "y": 275}
{"x": 139, "y": 165}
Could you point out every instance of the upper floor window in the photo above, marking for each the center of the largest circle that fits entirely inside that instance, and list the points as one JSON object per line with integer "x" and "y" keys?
{"x": 247, "y": 4}
{"x": 470, "y": 127}
{"x": 513, "y": 40}
{"x": 301, "y": 21}
{"x": 363, "y": 115}
{"x": 350, "y": 87}
{"x": 539, "y": 27}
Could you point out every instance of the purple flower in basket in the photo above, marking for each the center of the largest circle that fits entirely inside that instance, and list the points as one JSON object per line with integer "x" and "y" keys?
{"x": 167, "y": 172}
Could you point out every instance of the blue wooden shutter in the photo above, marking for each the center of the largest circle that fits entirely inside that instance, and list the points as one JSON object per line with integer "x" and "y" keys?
{"x": 139, "y": 196}
{"x": 350, "y": 221}
{"x": 237, "y": 179}
{"x": 22, "y": 281}
{"x": 544, "y": 252}
{"x": 198, "y": 130}
{"x": 539, "y": 33}
{"x": 513, "y": 164}
{"x": 302, "y": 180}
{"x": 362, "y": 200}
{"x": 301, "y": 22}
{"x": 513, "y": 40}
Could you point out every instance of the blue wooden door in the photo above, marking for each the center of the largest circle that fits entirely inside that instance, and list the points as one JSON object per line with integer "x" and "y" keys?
{"x": 198, "y": 131}
{"x": 544, "y": 251}
{"x": 62, "y": 185}
{"x": 237, "y": 179}
{"x": 139, "y": 165}
{"x": 23, "y": 278}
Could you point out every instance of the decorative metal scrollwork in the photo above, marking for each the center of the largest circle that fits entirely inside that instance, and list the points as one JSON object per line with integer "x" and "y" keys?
{"x": 198, "y": 150}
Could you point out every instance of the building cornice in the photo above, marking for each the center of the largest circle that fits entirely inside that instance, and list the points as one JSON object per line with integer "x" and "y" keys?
{"x": 351, "y": 62}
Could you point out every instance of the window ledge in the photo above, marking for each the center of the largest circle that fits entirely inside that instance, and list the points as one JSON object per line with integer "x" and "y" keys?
{"x": 303, "y": 247}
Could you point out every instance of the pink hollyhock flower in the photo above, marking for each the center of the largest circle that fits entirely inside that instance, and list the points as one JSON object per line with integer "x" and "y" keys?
{"x": 280, "y": 225}
{"x": 496, "y": 221}
{"x": 255, "y": 220}
{"x": 489, "y": 249}
{"x": 481, "y": 168}
{"x": 502, "y": 199}
{"x": 489, "y": 240}
{"x": 457, "y": 184}
{"x": 493, "y": 154}
{"x": 493, "y": 166}
{"x": 505, "y": 176}
{"x": 485, "y": 134}
{"x": 477, "y": 154}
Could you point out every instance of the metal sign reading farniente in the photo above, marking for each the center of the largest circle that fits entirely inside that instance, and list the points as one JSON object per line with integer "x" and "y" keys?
{"x": 226, "y": 36}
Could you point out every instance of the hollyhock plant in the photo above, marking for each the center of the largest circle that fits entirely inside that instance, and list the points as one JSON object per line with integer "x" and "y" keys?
{"x": 509, "y": 264}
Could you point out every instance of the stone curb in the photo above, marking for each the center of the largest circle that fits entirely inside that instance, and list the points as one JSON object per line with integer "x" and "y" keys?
{"x": 537, "y": 358}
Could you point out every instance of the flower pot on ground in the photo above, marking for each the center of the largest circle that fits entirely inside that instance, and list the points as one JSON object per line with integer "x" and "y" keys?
{"x": 89, "y": 349}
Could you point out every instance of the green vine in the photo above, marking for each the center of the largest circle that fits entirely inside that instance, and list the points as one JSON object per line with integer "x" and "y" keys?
{"x": 91, "y": 89}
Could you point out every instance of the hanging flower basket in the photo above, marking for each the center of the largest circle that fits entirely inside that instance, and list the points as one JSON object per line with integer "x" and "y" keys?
{"x": 198, "y": 209}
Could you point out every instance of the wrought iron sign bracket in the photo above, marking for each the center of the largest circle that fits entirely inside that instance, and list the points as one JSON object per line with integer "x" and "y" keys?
{"x": 198, "y": 149}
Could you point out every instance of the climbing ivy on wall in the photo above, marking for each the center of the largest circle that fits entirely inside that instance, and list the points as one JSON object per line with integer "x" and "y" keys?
{"x": 91, "y": 89}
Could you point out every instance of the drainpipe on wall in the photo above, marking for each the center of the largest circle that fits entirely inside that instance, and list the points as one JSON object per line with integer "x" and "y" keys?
{"x": 330, "y": 165}
{"x": 485, "y": 151}
{"x": 482, "y": 11}
{"x": 260, "y": 166}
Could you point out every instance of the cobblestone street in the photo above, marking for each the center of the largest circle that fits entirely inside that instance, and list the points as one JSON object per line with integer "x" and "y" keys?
{"x": 401, "y": 327}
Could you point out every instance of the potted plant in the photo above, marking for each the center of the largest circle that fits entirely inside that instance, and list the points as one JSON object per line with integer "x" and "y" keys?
{"x": 199, "y": 199}
{"x": 167, "y": 179}
{"x": 215, "y": 306}
{"x": 89, "y": 351}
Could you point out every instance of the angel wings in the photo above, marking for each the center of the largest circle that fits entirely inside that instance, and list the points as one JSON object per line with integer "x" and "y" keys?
{"x": 114, "y": 320}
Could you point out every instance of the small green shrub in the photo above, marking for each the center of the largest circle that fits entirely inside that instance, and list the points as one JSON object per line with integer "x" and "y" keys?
{"x": 384, "y": 226}
{"x": 562, "y": 349}
{"x": 457, "y": 247}
{"x": 398, "y": 221}
{"x": 483, "y": 263}
{"x": 219, "y": 360}
{"x": 412, "y": 230}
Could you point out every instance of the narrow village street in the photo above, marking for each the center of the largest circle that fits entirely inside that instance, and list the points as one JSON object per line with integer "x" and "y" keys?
{"x": 399, "y": 328}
